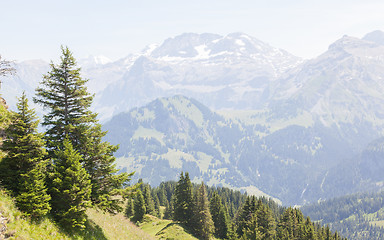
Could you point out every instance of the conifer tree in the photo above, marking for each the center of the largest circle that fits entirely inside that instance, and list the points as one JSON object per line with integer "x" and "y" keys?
{"x": 157, "y": 211}
{"x": 219, "y": 216}
{"x": 129, "y": 210}
{"x": 245, "y": 214}
{"x": 71, "y": 188}
{"x": 204, "y": 224}
{"x": 183, "y": 205}
{"x": 4, "y": 121}
{"x": 24, "y": 146}
{"x": 149, "y": 204}
{"x": 33, "y": 198}
{"x": 266, "y": 221}
{"x": 139, "y": 207}
{"x": 308, "y": 231}
{"x": 251, "y": 230}
{"x": 286, "y": 225}
{"x": 22, "y": 171}
{"x": 162, "y": 197}
{"x": 64, "y": 94}
{"x": 168, "y": 212}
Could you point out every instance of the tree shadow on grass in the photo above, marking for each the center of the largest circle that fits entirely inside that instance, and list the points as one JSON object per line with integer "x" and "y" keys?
{"x": 92, "y": 231}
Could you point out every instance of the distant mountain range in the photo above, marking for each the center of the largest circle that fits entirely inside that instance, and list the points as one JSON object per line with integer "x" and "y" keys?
{"x": 230, "y": 71}
{"x": 235, "y": 111}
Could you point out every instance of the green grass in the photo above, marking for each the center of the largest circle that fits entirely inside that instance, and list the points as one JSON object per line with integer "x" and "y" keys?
{"x": 21, "y": 228}
{"x": 99, "y": 226}
{"x": 115, "y": 226}
{"x": 164, "y": 229}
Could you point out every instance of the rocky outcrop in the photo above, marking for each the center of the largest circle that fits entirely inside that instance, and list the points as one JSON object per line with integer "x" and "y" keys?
{"x": 3, "y": 102}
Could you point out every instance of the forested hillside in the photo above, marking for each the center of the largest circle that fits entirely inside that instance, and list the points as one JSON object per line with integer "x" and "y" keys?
{"x": 223, "y": 213}
{"x": 359, "y": 216}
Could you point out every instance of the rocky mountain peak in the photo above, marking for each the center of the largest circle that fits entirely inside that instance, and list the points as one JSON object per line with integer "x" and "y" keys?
{"x": 375, "y": 36}
{"x": 183, "y": 45}
{"x": 347, "y": 43}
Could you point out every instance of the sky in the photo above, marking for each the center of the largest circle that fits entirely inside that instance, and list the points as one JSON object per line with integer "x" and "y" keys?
{"x": 115, "y": 28}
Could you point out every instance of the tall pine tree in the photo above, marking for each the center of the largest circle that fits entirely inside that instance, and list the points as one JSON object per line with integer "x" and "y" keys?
{"x": 33, "y": 198}
{"x": 149, "y": 204}
{"x": 203, "y": 219}
{"x": 139, "y": 207}
{"x": 219, "y": 216}
{"x": 64, "y": 94}
{"x": 22, "y": 170}
{"x": 183, "y": 204}
{"x": 71, "y": 188}
{"x": 24, "y": 146}
{"x": 129, "y": 210}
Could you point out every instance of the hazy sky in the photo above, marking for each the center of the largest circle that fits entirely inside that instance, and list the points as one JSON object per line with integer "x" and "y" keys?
{"x": 35, "y": 29}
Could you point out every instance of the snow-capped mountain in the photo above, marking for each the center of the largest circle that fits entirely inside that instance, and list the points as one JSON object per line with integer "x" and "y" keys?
{"x": 232, "y": 71}
{"x": 313, "y": 118}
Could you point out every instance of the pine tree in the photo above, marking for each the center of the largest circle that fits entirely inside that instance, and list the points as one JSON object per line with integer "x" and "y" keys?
{"x": 64, "y": 94}
{"x": 24, "y": 146}
{"x": 219, "y": 216}
{"x": 286, "y": 226}
{"x": 245, "y": 214}
{"x": 251, "y": 230}
{"x": 106, "y": 182}
{"x": 162, "y": 197}
{"x": 33, "y": 198}
{"x": 308, "y": 230}
{"x": 139, "y": 207}
{"x": 22, "y": 171}
{"x": 129, "y": 210}
{"x": 71, "y": 188}
{"x": 4, "y": 122}
{"x": 157, "y": 212}
{"x": 149, "y": 204}
{"x": 168, "y": 212}
{"x": 266, "y": 221}
{"x": 204, "y": 224}
{"x": 183, "y": 205}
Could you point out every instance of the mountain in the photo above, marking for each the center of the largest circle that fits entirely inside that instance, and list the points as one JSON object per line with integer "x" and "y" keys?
{"x": 233, "y": 71}
{"x": 175, "y": 134}
{"x": 375, "y": 36}
{"x": 170, "y": 134}
{"x": 311, "y": 122}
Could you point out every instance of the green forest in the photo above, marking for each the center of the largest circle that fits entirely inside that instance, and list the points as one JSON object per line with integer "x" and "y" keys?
{"x": 223, "y": 213}
{"x": 357, "y": 216}
{"x": 69, "y": 169}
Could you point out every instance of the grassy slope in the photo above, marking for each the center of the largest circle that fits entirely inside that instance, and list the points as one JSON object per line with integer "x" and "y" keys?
{"x": 100, "y": 226}
{"x": 116, "y": 226}
{"x": 164, "y": 229}
{"x": 24, "y": 229}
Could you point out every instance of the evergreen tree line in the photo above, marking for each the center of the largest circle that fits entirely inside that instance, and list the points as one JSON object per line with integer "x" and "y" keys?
{"x": 68, "y": 168}
{"x": 205, "y": 211}
{"x": 355, "y": 216}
